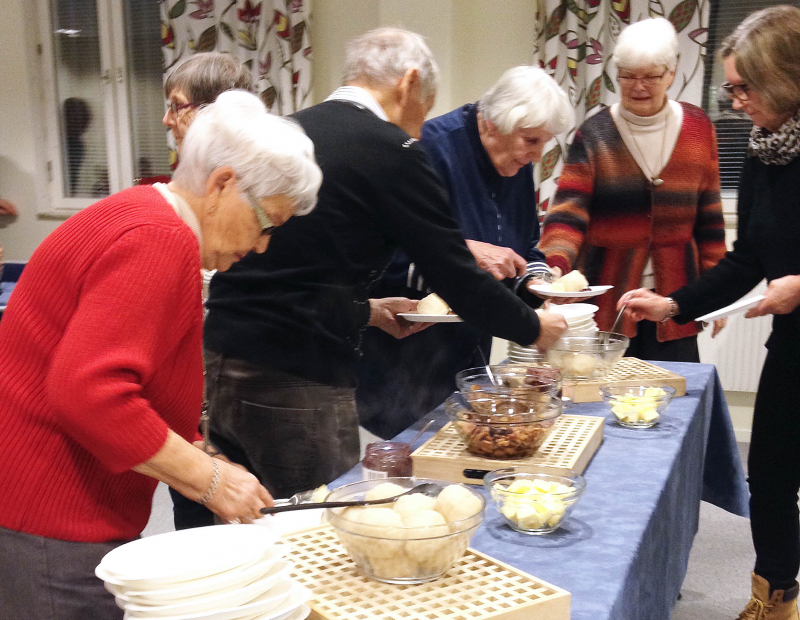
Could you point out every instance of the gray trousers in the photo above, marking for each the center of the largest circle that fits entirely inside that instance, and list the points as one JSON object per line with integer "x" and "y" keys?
{"x": 48, "y": 579}
{"x": 293, "y": 434}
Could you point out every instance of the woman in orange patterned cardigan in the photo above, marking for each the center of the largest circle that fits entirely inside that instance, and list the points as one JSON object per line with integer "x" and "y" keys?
{"x": 638, "y": 200}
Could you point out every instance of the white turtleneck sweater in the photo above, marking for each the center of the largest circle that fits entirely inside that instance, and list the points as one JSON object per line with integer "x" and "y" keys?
{"x": 650, "y": 140}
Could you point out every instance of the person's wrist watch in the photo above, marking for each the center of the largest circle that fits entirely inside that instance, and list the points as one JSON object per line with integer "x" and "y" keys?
{"x": 673, "y": 309}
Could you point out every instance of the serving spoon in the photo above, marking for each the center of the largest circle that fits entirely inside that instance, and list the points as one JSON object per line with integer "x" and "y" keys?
{"x": 431, "y": 489}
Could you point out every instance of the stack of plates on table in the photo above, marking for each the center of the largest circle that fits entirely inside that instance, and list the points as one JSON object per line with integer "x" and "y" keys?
{"x": 222, "y": 572}
{"x": 580, "y": 322}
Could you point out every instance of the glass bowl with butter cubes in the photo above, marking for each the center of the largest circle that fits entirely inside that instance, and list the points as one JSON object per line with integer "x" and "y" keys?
{"x": 637, "y": 406}
{"x": 534, "y": 500}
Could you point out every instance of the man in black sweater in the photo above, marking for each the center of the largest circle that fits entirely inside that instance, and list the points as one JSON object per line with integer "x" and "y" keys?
{"x": 284, "y": 327}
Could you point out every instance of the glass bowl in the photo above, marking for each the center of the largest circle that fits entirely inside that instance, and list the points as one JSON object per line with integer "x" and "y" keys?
{"x": 512, "y": 379}
{"x": 384, "y": 548}
{"x": 536, "y": 500}
{"x": 637, "y": 406}
{"x": 587, "y": 357}
{"x": 502, "y": 426}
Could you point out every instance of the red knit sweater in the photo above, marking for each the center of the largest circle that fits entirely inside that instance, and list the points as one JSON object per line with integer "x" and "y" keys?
{"x": 100, "y": 353}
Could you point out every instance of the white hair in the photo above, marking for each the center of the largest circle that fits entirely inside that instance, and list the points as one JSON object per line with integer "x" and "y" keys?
{"x": 270, "y": 155}
{"x": 381, "y": 57}
{"x": 650, "y": 42}
{"x": 526, "y": 98}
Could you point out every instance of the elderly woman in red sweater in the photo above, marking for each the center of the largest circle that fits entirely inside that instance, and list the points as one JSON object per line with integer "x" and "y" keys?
{"x": 101, "y": 357}
{"x": 638, "y": 200}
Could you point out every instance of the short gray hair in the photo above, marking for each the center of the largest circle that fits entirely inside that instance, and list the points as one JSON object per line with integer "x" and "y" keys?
{"x": 269, "y": 154}
{"x": 381, "y": 57}
{"x": 207, "y": 74}
{"x": 645, "y": 43}
{"x": 526, "y": 97}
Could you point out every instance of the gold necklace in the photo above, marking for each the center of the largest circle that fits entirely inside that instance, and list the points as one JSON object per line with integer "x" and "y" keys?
{"x": 655, "y": 180}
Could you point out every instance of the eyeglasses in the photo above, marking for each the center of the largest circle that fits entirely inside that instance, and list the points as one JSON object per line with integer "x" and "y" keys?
{"x": 175, "y": 107}
{"x": 736, "y": 91}
{"x": 647, "y": 80}
{"x": 264, "y": 221}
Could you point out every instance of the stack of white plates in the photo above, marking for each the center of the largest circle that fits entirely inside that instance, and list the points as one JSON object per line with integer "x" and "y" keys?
{"x": 224, "y": 572}
{"x": 580, "y": 322}
{"x": 580, "y": 318}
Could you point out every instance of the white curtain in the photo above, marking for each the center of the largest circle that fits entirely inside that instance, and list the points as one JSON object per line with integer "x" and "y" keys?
{"x": 575, "y": 41}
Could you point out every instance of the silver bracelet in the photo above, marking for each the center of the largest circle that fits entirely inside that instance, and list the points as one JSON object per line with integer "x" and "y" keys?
{"x": 214, "y": 484}
{"x": 673, "y": 310}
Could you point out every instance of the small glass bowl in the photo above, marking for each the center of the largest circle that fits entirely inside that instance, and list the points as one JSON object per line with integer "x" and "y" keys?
{"x": 502, "y": 426}
{"x": 401, "y": 555}
{"x": 587, "y": 357}
{"x": 534, "y": 501}
{"x": 637, "y": 406}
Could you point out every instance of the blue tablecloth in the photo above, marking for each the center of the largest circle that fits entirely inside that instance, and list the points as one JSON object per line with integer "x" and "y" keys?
{"x": 624, "y": 550}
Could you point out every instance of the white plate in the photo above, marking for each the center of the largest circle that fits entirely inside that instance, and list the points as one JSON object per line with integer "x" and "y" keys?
{"x": 186, "y": 554}
{"x": 216, "y": 600}
{"x": 546, "y": 291}
{"x": 735, "y": 308}
{"x": 288, "y": 609}
{"x": 215, "y": 584}
{"x": 430, "y": 318}
{"x": 574, "y": 312}
{"x": 271, "y": 600}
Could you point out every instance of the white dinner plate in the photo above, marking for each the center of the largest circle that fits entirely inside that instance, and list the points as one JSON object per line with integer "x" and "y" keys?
{"x": 575, "y": 312}
{"x": 546, "y": 291}
{"x": 270, "y": 601}
{"x": 218, "y": 583}
{"x": 288, "y": 609}
{"x": 430, "y": 318}
{"x": 216, "y": 600}
{"x": 734, "y": 308}
{"x": 186, "y": 554}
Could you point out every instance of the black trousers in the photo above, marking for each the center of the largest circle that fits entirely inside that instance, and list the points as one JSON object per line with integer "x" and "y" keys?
{"x": 645, "y": 346}
{"x": 292, "y": 434}
{"x": 774, "y": 473}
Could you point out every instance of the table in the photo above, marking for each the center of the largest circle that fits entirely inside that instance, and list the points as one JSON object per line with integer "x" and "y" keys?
{"x": 624, "y": 550}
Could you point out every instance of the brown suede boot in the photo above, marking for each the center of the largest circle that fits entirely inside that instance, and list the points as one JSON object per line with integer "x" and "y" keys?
{"x": 762, "y": 606}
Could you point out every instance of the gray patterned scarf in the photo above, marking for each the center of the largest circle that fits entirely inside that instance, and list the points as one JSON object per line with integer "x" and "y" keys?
{"x": 778, "y": 148}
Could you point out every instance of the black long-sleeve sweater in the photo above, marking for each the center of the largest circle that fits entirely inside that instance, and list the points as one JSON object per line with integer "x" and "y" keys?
{"x": 767, "y": 246}
{"x": 300, "y": 307}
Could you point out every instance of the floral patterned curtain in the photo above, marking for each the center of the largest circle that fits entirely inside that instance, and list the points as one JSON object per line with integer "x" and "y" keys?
{"x": 271, "y": 37}
{"x": 575, "y": 41}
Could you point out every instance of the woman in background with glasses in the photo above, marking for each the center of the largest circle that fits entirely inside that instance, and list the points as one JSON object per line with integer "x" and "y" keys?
{"x": 762, "y": 69}
{"x": 638, "y": 200}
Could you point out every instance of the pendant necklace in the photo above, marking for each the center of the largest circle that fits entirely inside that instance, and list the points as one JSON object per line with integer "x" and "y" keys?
{"x": 655, "y": 180}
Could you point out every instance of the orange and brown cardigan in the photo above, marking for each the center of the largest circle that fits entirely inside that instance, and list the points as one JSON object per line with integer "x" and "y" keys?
{"x": 606, "y": 217}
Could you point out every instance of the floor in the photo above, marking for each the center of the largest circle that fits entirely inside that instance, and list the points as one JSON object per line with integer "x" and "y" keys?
{"x": 717, "y": 584}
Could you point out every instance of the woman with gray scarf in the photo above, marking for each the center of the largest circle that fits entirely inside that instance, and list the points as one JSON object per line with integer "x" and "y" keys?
{"x": 762, "y": 69}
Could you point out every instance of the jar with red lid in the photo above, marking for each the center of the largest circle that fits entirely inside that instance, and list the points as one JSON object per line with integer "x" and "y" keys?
{"x": 387, "y": 459}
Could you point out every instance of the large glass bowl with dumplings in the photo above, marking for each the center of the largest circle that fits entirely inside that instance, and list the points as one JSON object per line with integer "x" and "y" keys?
{"x": 503, "y": 426}
{"x": 587, "y": 357}
{"x": 416, "y": 539}
{"x": 534, "y": 500}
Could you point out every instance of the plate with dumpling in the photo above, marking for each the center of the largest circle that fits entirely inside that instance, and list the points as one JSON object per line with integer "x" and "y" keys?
{"x": 413, "y": 540}
{"x": 573, "y": 284}
{"x": 431, "y": 309}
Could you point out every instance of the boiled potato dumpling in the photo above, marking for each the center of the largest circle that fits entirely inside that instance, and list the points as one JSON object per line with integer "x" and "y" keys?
{"x": 414, "y": 503}
{"x": 572, "y": 282}
{"x": 433, "y": 304}
{"x": 382, "y": 491}
{"x": 430, "y": 527}
{"x": 385, "y": 527}
{"x": 456, "y": 502}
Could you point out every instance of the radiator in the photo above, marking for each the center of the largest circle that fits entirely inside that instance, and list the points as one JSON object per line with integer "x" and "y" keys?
{"x": 738, "y": 351}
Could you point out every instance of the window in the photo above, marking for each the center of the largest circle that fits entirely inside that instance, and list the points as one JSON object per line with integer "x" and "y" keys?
{"x": 733, "y": 128}
{"x": 102, "y": 76}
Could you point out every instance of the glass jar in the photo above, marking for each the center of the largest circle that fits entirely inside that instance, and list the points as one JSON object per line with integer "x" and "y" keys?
{"x": 386, "y": 459}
